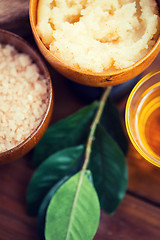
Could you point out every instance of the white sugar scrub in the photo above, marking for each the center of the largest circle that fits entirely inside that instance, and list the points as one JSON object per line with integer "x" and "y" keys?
{"x": 98, "y": 35}
{"x": 23, "y": 97}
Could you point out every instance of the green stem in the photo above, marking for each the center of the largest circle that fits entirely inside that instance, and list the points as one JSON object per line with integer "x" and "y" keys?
{"x": 87, "y": 153}
{"x": 93, "y": 127}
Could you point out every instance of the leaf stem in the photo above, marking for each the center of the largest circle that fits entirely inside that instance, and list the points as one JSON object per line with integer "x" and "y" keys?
{"x": 87, "y": 153}
{"x": 93, "y": 127}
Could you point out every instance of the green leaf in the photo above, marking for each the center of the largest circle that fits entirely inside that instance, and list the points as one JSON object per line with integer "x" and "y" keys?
{"x": 43, "y": 208}
{"x": 109, "y": 169}
{"x": 111, "y": 121}
{"x": 68, "y": 132}
{"x": 49, "y": 173}
{"x": 74, "y": 211}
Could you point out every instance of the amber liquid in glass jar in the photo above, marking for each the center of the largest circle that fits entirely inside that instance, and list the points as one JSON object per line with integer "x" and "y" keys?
{"x": 148, "y": 120}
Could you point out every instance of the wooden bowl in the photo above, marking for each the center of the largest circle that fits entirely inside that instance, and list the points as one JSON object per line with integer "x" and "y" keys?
{"x": 25, "y": 146}
{"x": 86, "y": 77}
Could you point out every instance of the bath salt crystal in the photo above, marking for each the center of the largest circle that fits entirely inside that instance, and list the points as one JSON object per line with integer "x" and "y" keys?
{"x": 23, "y": 92}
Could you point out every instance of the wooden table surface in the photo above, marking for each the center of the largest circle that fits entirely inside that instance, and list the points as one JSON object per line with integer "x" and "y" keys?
{"x": 138, "y": 217}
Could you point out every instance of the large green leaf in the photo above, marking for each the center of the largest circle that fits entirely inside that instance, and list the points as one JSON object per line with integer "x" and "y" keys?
{"x": 68, "y": 132}
{"x": 44, "y": 205}
{"x": 109, "y": 169}
{"x": 49, "y": 173}
{"x": 111, "y": 121}
{"x": 43, "y": 208}
{"x": 74, "y": 211}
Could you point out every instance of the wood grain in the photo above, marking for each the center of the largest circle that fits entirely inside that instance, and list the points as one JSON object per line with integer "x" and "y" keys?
{"x": 144, "y": 180}
{"x": 134, "y": 219}
{"x": 14, "y": 222}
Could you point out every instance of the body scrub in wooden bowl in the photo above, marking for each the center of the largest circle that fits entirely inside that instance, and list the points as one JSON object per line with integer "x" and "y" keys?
{"x": 98, "y": 36}
{"x": 23, "y": 97}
